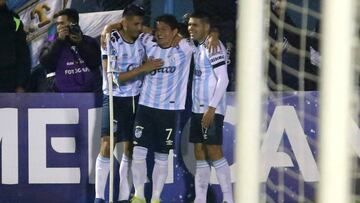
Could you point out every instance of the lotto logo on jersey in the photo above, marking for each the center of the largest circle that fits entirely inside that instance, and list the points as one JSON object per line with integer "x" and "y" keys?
{"x": 168, "y": 69}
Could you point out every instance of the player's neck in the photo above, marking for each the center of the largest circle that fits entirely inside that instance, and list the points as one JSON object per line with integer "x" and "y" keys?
{"x": 126, "y": 37}
{"x": 203, "y": 39}
{"x": 165, "y": 46}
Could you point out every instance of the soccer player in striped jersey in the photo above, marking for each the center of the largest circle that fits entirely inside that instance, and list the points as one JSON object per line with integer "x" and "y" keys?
{"x": 162, "y": 97}
{"x": 209, "y": 85}
{"x": 125, "y": 44}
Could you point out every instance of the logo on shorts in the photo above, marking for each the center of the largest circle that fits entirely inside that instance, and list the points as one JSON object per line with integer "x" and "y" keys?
{"x": 138, "y": 131}
{"x": 169, "y": 142}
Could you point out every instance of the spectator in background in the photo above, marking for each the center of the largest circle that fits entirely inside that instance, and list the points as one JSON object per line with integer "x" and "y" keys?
{"x": 280, "y": 42}
{"x": 285, "y": 46}
{"x": 312, "y": 61}
{"x": 109, "y": 5}
{"x": 75, "y": 58}
{"x": 15, "y": 58}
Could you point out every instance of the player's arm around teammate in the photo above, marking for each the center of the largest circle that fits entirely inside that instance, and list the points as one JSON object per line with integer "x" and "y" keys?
{"x": 129, "y": 52}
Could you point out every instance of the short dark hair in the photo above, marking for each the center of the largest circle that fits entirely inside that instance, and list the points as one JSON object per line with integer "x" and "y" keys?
{"x": 202, "y": 16}
{"x": 169, "y": 20}
{"x": 133, "y": 10}
{"x": 71, "y": 13}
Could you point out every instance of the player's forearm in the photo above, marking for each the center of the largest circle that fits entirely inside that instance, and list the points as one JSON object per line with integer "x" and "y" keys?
{"x": 125, "y": 76}
{"x": 104, "y": 65}
{"x": 221, "y": 85}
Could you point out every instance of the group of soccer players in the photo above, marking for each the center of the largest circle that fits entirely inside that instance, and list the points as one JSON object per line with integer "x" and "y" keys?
{"x": 149, "y": 90}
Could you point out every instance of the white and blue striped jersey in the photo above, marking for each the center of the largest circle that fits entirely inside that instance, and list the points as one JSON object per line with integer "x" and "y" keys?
{"x": 205, "y": 80}
{"x": 129, "y": 56}
{"x": 165, "y": 88}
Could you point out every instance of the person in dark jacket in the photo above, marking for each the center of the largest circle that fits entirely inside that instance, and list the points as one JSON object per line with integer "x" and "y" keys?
{"x": 282, "y": 42}
{"x": 15, "y": 61}
{"x": 75, "y": 58}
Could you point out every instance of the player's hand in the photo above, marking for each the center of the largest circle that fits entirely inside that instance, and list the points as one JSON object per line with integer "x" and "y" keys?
{"x": 208, "y": 117}
{"x": 176, "y": 40}
{"x": 213, "y": 43}
{"x": 152, "y": 64}
{"x": 146, "y": 29}
{"x": 63, "y": 32}
{"x": 276, "y": 49}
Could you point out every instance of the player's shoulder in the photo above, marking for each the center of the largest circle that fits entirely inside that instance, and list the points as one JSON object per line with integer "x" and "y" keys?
{"x": 216, "y": 56}
{"x": 146, "y": 39}
{"x": 186, "y": 45}
{"x": 187, "y": 42}
{"x": 221, "y": 50}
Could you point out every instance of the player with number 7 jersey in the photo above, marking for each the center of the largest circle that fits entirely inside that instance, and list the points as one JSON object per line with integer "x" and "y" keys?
{"x": 162, "y": 97}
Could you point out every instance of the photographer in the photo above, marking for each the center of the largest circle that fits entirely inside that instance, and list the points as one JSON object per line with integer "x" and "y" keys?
{"x": 74, "y": 57}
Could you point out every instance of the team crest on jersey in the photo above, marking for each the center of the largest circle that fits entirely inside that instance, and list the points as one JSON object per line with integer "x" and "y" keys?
{"x": 138, "y": 131}
{"x": 197, "y": 72}
{"x": 171, "y": 59}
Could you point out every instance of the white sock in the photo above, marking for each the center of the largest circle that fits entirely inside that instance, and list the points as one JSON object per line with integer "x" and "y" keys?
{"x": 139, "y": 169}
{"x": 102, "y": 169}
{"x": 125, "y": 178}
{"x": 202, "y": 179}
{"x": 223, "y": 175}
{"x": 159, "y": 175}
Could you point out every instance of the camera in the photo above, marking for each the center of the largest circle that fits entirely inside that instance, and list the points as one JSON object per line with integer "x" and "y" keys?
{"x": 74, "y": 29}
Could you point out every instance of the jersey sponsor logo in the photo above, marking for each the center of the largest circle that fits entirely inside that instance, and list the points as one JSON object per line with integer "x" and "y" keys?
{"x": 168, "y": 69}
{"x": 217, "y": 58}
{"x": 138, "y": 131}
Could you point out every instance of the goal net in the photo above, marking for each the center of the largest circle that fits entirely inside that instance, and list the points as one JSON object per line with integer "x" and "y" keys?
{"x": 290, "y": 145}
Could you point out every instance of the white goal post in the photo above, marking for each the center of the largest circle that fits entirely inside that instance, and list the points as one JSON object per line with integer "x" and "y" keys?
{"x": 336, "y": 94}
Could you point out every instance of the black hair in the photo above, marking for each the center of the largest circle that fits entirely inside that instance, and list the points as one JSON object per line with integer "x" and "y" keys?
{"x": 169, "y": 20}
{"x": 133, "y": 10}
{"x": 202, "y": 16}
{"x": 71, "y": 13}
